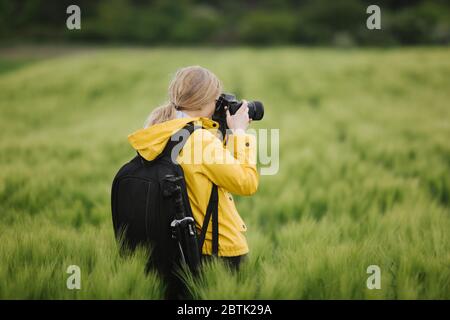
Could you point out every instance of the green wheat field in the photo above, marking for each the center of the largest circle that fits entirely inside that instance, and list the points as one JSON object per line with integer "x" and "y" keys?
{"x": 364, "y": 175}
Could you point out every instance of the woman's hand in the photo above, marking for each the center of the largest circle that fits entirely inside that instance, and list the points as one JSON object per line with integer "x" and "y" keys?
{"x": 239, "y": 121}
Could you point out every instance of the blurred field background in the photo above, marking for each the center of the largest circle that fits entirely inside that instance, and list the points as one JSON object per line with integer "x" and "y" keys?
{"x": 231, "y": 22}
{"x": 364, "y": 173}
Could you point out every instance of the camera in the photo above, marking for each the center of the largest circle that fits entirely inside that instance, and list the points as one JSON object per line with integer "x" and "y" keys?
{"x": 229, "y": 102}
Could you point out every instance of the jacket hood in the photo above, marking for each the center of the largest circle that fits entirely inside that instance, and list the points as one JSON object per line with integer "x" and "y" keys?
{"x": 150, "y": 142}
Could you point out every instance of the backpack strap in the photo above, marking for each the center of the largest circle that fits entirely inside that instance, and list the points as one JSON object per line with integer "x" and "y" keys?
{"x": 212, "y": 210}
{"x": 215, "y": 223}
{"x": 213, "y": 203}
{"x": 173, "y": 141}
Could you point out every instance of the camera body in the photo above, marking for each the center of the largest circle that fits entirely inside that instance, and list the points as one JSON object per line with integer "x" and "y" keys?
{"x": 228, "y": 101}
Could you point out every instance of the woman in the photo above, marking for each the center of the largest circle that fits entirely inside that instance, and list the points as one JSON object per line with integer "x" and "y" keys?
{"x": 192, "y": 95}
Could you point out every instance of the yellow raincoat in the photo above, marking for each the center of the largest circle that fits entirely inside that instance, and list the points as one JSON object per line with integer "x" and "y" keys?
{"x": 205, "y": 161}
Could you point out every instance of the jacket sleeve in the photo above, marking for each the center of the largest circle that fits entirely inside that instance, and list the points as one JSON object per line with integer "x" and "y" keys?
{"x": 232, "y": 167}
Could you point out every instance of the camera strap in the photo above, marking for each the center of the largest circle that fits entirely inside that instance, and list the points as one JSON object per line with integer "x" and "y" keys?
{"x": 212, "y": 210}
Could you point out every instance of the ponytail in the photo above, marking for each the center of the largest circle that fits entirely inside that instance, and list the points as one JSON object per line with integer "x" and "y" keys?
{"x": 162, "y": 113}
{"x": 191, "y": 88}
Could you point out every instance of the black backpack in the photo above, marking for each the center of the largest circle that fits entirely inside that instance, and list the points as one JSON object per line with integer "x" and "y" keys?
{"x": 150, "y": 208}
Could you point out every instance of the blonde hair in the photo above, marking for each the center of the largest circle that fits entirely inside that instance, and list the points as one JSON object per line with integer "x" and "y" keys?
{"x": 190, "y": 89}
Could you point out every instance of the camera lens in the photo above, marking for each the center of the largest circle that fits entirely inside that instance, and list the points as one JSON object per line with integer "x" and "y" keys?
{"x": 255, "y": 110}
